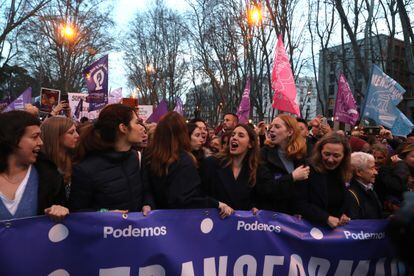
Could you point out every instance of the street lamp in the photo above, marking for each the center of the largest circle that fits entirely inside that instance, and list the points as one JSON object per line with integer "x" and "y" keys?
{"x": 68, "y": 32}
{"x": 254, "y": 15}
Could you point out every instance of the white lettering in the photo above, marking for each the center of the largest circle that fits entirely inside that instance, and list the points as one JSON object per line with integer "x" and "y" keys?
{"x": 187, "y": 269}
{"x": 245, "y": 260}
{"x": 318, "y": 266}
{"x": 270, "y": 262}
{"x": 134, "y": 232}
{"x": 151, "y": 270}
{"x": 296, "y": 266}
{"x": 256, "y": 226}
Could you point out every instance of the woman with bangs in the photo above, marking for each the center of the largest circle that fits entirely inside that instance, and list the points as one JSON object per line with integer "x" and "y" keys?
{"x": 172, "y": 169}
{"x": 321, "y": 199}
{"x": 231, "y": 176}
{"x": 60, "y": 139}
{"x": 284, "y": 157}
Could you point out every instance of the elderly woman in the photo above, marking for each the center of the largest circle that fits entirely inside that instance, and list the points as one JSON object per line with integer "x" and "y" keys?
{"x": 362, "y": 201}
{"x": 321, "y": 199}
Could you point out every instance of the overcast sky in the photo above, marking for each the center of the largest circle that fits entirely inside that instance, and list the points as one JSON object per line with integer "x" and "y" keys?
{"x": 124, "y": 12}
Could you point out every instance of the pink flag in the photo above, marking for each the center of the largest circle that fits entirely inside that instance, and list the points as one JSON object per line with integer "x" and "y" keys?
{"x": 345, "y": 105}
{"x": 243, "y": 112}
{"x": 283, "y": 83}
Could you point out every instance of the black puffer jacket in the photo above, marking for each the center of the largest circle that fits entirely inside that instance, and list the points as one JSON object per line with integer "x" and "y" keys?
{"x": 110, "y": 180}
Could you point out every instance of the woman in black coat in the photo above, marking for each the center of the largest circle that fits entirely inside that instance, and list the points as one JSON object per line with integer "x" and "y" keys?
{"x": 171, "y": 169}
{"x": 284, "y": 160}
{"x": 108, "y": 175}
{"x": 231, "y": 176}
{"x": 321, "y": 198}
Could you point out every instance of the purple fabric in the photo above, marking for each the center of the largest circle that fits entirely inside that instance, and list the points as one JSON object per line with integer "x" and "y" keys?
{"x": 161, "y": 109}
{"x": 179, "y": 107}
{"x": 19, "y": 103}
{"x": 96, "y": 76}
{"x": 243, "y": 112}
{"x": 345, "y": 105}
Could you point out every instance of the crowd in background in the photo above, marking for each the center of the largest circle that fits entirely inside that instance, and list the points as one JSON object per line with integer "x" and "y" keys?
{"x": 119, "y": 163}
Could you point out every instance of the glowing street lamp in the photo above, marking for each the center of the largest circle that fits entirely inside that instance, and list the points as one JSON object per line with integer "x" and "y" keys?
{"x": 68, "y": 32}
{"x": 254, "y": 15}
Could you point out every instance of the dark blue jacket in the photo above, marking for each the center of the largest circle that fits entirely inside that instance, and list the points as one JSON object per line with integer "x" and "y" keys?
{"x": 180, "y": 188}
{"x": 219, "y": 183}
{"x": 276, "y": 197}
{"x": 110, "y": 180}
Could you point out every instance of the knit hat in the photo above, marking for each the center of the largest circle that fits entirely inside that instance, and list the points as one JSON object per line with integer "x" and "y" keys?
{"x": 356, "y": 143}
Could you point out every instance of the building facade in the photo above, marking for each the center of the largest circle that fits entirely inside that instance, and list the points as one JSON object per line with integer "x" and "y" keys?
{"x": 387, "y": 53}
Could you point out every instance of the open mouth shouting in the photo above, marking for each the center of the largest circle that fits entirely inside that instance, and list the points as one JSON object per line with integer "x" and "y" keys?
{"x": 234, "y": 146}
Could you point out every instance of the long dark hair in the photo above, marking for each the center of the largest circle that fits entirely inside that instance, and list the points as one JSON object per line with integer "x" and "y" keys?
{"x": 103, "y": 134}
{"x": 170, "y": 138}
{"x": 13, "y": 125}
{"x": 252, "y": 155}
{"x": 345, "y": 166}
{"x": 198, "y": 154}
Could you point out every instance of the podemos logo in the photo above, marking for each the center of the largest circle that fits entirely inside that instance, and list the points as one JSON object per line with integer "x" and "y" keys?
{"x": 364, "y": 235}
{"x": 256, "y": 226}
{"x": 130, "y": 231}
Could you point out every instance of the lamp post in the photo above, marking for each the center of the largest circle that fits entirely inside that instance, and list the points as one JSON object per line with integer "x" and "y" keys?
{"x": 67, "y": 35}
{"x": 305, "y": 104}
{"x": 149, "y": 73}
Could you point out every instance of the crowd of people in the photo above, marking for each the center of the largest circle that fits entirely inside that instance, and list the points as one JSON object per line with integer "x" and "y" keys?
{"x": 118, "y": 163}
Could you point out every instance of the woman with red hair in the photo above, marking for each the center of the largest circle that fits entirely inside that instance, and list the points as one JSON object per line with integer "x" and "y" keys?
{"x": 284, "y": 157}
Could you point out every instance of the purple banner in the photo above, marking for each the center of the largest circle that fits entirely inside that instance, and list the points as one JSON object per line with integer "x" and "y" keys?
{"x": 96, "y": 76}
{"x": 193, "y": 242}
{"x": 21, "y": 101}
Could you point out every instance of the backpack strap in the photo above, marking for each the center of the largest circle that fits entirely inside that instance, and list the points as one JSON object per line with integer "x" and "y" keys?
{"x": 355, "y": 196}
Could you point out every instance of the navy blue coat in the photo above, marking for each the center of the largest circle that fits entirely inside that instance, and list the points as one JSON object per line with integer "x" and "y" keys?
{"x": 180, "y": 188}
{"x": 279, "y": 196}
{"x": 312, "y": 198}
{"x": 110, "y": 180}
{"x": 362, "y": 204}
{"x": 219, "y": 183}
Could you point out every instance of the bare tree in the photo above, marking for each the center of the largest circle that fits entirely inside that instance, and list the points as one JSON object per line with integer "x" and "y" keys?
{"x": 408, "y": 38}
{"x": 155, "y": 54}
{"x": 321, "y": 25}
{"x": 13, "y": 15}
{"x": 64, "y": 38}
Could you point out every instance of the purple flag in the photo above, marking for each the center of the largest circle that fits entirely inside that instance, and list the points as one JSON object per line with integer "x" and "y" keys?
{"x": 161, "y": 109}
{"x": 345, "y": 105}
{"x": 4, "y": 103}
{"x": 21, "y": 101}
{"x": 96, "y": 76}
{"x": 243, "y": 112}
{"x": 115, "y": 96}
{"x": 78, "y": 109}
{"x": 179, "y": 107}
